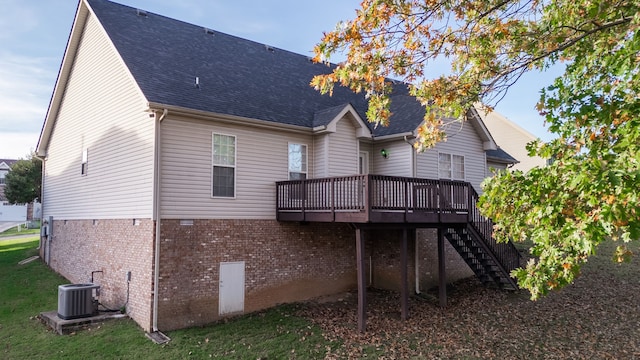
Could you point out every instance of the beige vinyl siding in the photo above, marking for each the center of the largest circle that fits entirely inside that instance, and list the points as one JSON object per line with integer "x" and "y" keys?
{"x": 261, "y": 160}
{"x": 398, "y": 163}
{"x": 462, "y": 140}
{"x": 343, "y": 149}
{"x": 319, "y": 151}
{"x": 102, "y": 110}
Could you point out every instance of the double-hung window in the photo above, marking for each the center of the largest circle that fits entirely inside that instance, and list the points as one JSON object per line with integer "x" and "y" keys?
{"x": 451, "y": 166}
{"x": 297, "y": 161}
{"x": 224, "y": 166}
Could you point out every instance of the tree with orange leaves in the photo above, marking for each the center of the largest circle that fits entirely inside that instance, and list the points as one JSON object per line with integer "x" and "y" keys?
{"x": 589, "y": 192}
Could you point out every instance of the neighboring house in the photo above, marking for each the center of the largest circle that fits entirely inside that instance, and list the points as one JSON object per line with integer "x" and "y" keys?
{"x": 9, "y": 212}
{"x": 207, "y": 167}
{"x": 513, "y": 139}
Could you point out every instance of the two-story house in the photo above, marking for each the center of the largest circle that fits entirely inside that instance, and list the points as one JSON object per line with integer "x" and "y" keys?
{"x": 206, "y": 167}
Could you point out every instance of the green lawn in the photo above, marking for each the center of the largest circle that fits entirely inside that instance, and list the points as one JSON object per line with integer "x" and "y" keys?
{"x": 27, "y": 290}
{"x": 595, "y": 318}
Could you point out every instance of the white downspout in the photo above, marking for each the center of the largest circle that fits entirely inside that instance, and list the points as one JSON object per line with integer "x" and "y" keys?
{"x": 157, "y": 192}
{"x": 414, "y": 166}
{"x": 40, "y": 244}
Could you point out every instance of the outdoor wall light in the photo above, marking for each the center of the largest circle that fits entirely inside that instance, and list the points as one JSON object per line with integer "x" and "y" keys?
{"x": 384, "y": 153}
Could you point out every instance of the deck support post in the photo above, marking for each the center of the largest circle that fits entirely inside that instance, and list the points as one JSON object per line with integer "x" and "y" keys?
{"x": 362, "y": 284}
{"x": 442, "y": 276}
{"x": 404, "y": 294}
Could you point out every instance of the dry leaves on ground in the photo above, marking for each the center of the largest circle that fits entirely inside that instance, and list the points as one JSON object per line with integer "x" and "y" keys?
{"x": 596, "y": 318}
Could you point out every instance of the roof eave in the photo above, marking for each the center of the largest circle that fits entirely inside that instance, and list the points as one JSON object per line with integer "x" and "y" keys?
{"x": 207, "y": 115}
{"x": 397, "y": 136}
{"x": 501, "y": 160}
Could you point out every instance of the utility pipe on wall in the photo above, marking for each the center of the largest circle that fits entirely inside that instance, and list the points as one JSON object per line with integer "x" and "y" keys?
{"x": 156, "y": 260}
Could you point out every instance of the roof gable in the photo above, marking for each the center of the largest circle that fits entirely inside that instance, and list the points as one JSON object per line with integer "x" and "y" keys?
{"x": 327, "y": 120}
{"x": 5, "y": 164}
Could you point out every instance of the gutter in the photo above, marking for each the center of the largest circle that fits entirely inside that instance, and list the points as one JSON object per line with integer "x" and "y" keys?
{"x": 232, "y": 119}
{"x": 156, "y": 256}
{"x": 393, "y": 136}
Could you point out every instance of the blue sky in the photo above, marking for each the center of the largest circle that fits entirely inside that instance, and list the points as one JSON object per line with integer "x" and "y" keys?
{"x": 33, "y": 36}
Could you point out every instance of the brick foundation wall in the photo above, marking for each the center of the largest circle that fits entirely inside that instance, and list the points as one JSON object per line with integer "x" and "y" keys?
{"x": 284, "y": 262}
{"x": 456, "y": 268}
{"x": 383, "y": 251}
{"x": 114, "y": 247}
{"x": 383, "y": 248}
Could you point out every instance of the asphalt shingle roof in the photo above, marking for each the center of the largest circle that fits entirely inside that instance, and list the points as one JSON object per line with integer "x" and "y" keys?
{"x": 236, "y": 76}
{"x": 8, "y": 162}
{"x": 501, "y": 155}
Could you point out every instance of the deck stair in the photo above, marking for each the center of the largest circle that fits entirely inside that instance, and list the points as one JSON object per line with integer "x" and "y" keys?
{"x": 483, "y": 257}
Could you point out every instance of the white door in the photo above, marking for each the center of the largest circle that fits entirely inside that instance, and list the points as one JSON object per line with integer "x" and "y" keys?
{"x": 231, "y": 288}
{"x": 363, "y": 169}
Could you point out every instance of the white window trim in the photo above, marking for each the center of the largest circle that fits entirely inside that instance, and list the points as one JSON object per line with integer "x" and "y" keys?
{"x": 235, "y": 167}
{"x": 306, "y": 173}
{"x": 451, "y": 155}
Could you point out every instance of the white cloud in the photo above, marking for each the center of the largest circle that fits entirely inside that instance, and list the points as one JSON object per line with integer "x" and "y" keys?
{"x": 15, "y": 145}
{"x": 25, "y": 88}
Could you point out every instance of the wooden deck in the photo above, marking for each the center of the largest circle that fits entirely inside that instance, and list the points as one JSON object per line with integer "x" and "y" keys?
{"x": 377, "y": 199}
{"x": 372, "y": 201}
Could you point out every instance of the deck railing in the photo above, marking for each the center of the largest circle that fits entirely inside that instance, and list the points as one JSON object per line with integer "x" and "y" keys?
{"x": 506, "y": 253}
{"x": 390, "y": 199}
{"x": 362, "y": 193}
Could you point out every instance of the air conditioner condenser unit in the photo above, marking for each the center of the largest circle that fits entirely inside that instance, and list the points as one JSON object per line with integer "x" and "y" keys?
{"x": 77, "y": 301}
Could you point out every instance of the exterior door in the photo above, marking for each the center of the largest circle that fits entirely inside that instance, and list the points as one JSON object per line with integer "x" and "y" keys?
{"x": 231, "y": 288}
{"x": 363, "y": 163}
{"x": 363, "y": 169}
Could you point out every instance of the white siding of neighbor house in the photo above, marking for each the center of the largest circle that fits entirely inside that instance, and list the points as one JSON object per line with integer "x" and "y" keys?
{"x": 398, "y": 163}
{"x": 513, "y": 139}
{"x": 102, "y": 111}
{"x": 343, "y": 149}
{"x": 462, "y": 139}
{"x": 261, "y": 160}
